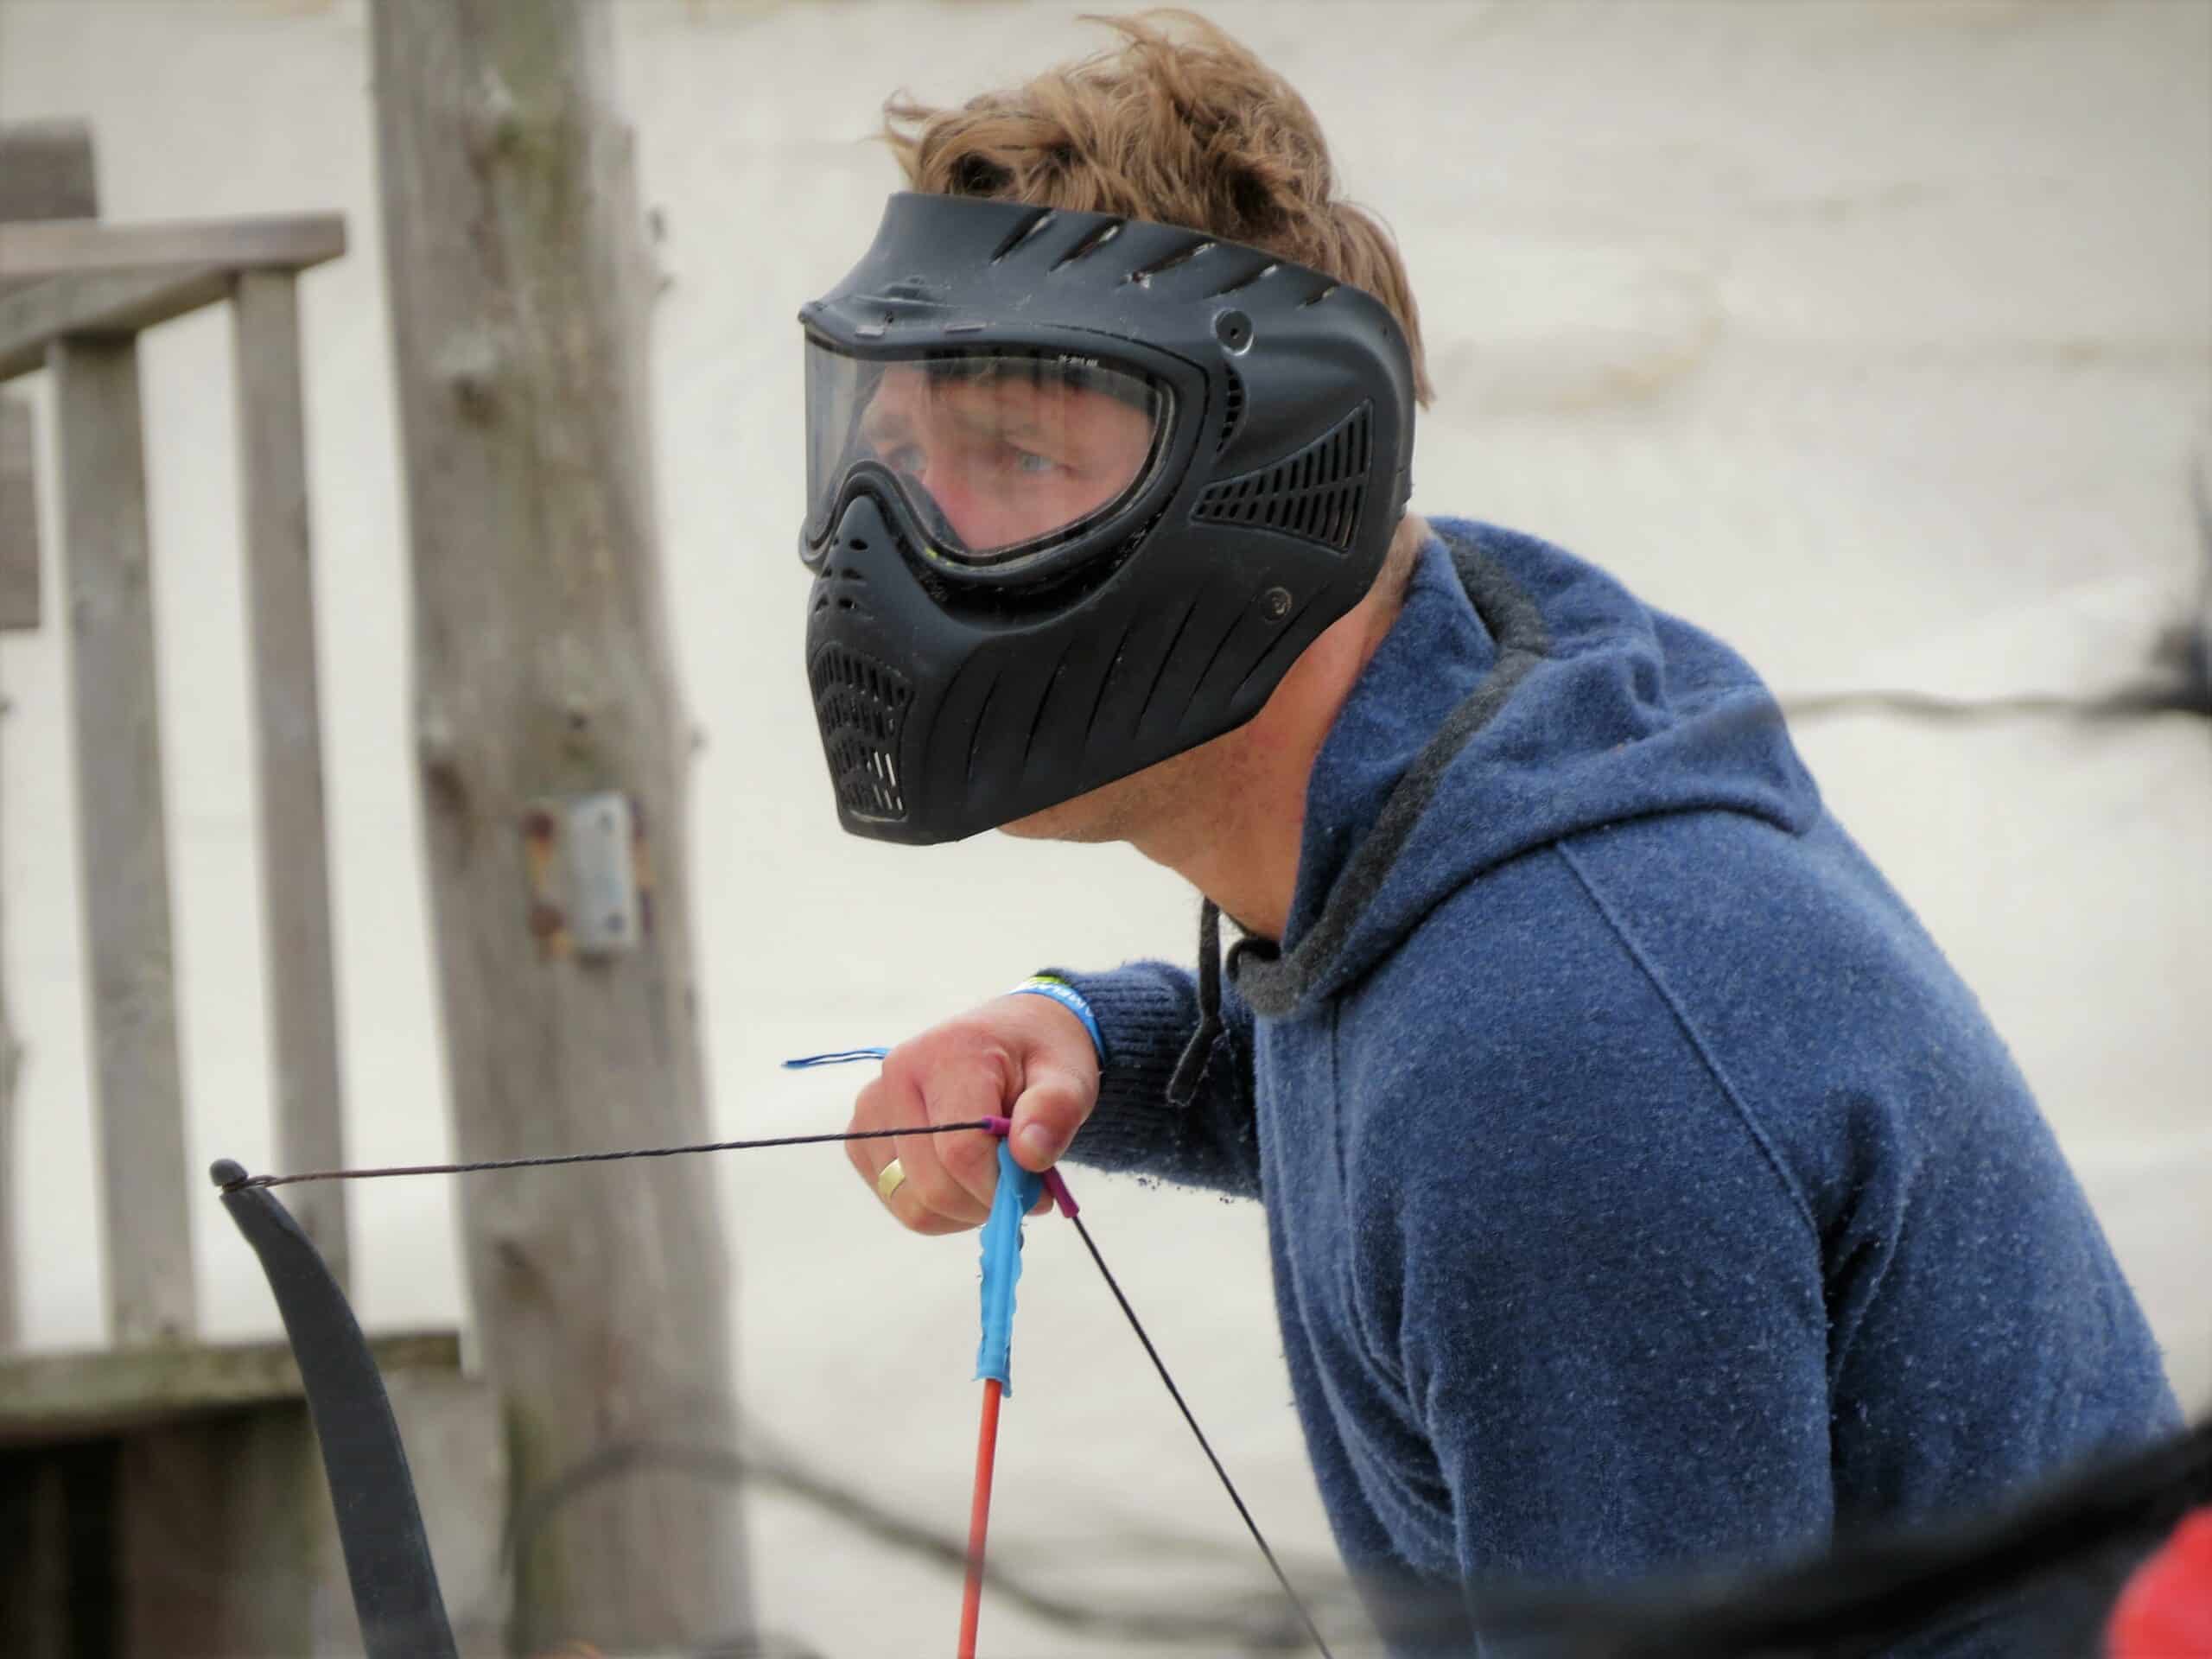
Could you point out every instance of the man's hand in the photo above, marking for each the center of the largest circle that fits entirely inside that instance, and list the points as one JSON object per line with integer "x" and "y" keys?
{"x": 1021, "y": 1057}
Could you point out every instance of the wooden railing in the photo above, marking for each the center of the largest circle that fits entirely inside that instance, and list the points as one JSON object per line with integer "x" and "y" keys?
{"x": 162, "y": 1495}
{"x": 88, "y": 289}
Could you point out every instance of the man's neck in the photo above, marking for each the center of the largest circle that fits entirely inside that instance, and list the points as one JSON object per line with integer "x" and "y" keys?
{"x": 1237, "y": 833}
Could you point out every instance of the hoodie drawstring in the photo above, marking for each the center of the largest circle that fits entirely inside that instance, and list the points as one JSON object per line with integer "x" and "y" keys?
{"x": 1191, "y": 1068}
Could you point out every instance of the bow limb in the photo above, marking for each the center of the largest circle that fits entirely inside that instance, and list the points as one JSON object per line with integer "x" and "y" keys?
{"x": 387, "y": 1553}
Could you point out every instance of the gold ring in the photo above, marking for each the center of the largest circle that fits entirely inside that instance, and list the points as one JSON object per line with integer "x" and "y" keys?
{"x": 894, "y": 1177}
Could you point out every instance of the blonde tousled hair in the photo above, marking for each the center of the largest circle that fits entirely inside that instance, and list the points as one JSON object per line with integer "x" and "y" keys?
{"x": 1178, "y": 124}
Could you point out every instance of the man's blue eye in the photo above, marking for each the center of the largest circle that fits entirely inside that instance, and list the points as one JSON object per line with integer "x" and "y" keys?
{"x": 1025, "y": 461}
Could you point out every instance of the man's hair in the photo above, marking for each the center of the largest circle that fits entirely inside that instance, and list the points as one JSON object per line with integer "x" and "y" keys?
{"x": 1178, "y": 124}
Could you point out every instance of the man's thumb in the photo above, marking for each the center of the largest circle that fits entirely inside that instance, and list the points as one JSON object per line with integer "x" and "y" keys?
{"x": 1051, "y": 1108}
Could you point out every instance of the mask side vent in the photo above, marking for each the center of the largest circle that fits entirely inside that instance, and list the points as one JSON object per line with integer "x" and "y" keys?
{"x": 1090, "y": 243}
{"x": 861, "y": 706}
{"x": 1232, "y": 409}
{"x": 1315, "y": 493}
{"x": 1022, "y": 232}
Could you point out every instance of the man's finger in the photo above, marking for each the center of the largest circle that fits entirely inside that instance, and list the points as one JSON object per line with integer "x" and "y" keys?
{"x": 915, "y": 1214}
{"x": 893, "y": 1101}
{"x": 1051, "y": 1109}
{"x": 961, "y": 1093}
{"x": 871, "y": 1111}
{"x": 938, "y": 1189}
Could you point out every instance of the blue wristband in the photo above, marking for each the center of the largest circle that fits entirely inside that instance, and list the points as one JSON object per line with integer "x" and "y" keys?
{"x": 1068, "y": 998}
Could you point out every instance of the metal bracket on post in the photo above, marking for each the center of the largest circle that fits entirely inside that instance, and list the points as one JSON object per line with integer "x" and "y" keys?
{"x": 585, "y": 855}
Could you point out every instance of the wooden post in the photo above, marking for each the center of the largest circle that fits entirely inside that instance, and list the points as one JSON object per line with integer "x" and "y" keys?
{"x": 121, "y": 838}
{"x": 2201, "y": 493}
{"x": 11, "y": 1054}
{"x": 19, "y": 593}
{"x": 165, "y": 1497}
{"x": 19, "y": 575}
{"x": 514, "y": 248}
{"x": 294, "y": 863}
{"x": 46, "y": 173}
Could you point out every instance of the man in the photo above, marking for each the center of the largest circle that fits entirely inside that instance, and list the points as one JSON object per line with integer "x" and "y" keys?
{"x": 1642, "y": 1187}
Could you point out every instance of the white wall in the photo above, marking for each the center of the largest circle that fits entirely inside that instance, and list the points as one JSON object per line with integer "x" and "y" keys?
{"x": 1873, "y": 336}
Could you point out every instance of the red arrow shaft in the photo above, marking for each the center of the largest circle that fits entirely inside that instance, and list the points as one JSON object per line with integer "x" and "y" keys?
{"x": 979, "y": 1517}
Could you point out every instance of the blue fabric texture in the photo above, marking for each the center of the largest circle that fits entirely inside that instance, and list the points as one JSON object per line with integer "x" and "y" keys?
{"x": 1643, "y": 1189}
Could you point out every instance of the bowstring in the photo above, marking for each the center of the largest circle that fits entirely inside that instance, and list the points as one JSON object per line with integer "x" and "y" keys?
{"x": 1204, "y": 1446}
{"x": 588, "y": 1157}
{"x": 243, "y": 1179}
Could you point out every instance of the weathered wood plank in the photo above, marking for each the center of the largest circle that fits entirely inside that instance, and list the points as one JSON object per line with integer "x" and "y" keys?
{"x": 32, "y": 318}
{"x": 103, "y": 1390}
{"x": 457, "y": 1451}
{"x": 82, "y": 248}
{"x": 542, "y": 672}
{"x": 223, "y": 1538}
{"x": 188, "y": 1518}
{"x": 19, "y": 589}
{"x": 57, "y": 1554}
{"x": 10, "y": 1055}
{"x": 266, "y": 1574}
{"x": 46, "y": 170}
{"x": 295, "y": 861}
{"x": 122, "y": 839}
{"x": 2201, "y": 494}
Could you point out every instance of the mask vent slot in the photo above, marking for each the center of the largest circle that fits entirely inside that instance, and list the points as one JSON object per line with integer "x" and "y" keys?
{"x": 1143, "y": 275}
{"x": 862, "y": 707}
{"x": 1022, "y": 232}
{"x": 1092, "y": 242}
{"x": 1232, "y": 409}
{"x": 1314, "y": 494}
{"x": 1247, "y": 279}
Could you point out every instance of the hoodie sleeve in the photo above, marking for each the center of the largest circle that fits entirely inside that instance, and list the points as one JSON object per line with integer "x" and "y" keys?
{"x": 1148, "y": 1011}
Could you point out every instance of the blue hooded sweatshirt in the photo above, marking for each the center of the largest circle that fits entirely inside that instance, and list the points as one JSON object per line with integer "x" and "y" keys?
{"x": 1643, "y": 1189}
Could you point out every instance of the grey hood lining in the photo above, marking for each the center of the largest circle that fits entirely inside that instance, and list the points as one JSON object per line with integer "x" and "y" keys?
{"x": 1273, "y": 984}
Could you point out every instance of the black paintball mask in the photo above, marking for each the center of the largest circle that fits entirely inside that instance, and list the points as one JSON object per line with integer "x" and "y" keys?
{"x": 1079, "y": 491}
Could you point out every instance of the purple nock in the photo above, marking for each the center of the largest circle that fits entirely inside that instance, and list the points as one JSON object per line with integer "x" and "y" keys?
{"x": 1061, "y": 1197}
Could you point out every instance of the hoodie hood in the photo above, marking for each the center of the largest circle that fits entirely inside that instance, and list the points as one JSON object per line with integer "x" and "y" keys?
{"x": 1521, "y": 696}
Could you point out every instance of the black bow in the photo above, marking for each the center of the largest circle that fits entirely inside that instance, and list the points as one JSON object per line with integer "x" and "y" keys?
{"x": 379, "y": 1521}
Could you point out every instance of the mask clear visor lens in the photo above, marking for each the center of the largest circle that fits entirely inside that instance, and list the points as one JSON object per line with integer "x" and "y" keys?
{"x": 998, "y": 454}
